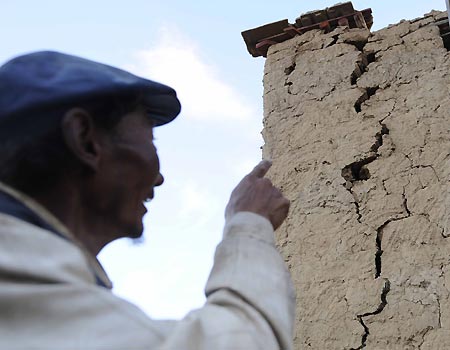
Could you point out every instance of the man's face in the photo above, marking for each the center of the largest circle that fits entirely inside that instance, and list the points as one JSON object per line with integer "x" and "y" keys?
{"x": 128, "y": 175}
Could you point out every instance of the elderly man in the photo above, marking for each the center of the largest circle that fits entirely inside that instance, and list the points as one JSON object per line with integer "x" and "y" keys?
{"x": 77, "y": 164}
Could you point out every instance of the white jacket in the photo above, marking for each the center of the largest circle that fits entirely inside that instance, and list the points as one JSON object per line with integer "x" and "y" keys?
{"x": 50, "y": 296}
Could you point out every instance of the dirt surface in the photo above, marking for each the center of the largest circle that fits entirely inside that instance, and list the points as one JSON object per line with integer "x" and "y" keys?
{"x": 358, "y": 127}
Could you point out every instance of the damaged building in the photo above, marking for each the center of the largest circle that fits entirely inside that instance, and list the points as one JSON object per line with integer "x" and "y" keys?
{"x": 357, "y": 124}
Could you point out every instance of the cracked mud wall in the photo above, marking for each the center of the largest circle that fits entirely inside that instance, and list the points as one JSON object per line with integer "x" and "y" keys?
{"x": 358, "y": 127}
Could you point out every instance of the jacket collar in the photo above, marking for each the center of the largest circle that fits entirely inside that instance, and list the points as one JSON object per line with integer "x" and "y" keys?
{"x": 20, "y": 206}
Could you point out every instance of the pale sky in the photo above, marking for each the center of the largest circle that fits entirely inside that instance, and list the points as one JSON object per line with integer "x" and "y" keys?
{"x": 196, "y": 47}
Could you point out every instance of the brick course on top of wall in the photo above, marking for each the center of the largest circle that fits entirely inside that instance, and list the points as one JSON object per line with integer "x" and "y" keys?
{"x": 358, "y": 127}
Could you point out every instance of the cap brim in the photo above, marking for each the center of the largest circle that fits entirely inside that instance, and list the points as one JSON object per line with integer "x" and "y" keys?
{"x": 162, "y": 108}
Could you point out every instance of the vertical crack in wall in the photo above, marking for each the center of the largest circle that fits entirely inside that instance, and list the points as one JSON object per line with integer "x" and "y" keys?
{"x": 288, "y": 71}
{"x": 405, "y": 201}
{"x": 368, "y": 93}
{"x": 378, "y": 270}
{"x": 379, "y": 251}
{"x": 358, "y": 171}
{"x": 439, "y": 311}
{"x": 379, "y": 309}
{"x": 362, "y": 64}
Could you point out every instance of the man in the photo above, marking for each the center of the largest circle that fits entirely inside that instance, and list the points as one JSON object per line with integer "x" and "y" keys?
{"x": 77, "y": 163}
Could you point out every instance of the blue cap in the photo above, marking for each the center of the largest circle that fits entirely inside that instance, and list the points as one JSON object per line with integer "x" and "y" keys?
{"x": 44, "y": 79}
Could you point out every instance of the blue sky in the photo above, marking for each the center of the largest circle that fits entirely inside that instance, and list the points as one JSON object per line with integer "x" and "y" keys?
{"x": 197, "y": 48}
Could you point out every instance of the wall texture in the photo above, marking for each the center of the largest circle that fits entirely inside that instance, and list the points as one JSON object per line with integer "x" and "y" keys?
{"x": 358, "y": 127}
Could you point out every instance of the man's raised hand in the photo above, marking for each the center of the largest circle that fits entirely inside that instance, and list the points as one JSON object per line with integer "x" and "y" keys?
{"x": 256, "y": 194}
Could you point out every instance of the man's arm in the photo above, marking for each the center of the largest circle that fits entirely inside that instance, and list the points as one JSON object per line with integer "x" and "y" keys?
{"x": 250, "y": 297}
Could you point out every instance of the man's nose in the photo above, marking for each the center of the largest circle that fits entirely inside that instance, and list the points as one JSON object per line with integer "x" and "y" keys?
{"x": 159, "y": 180}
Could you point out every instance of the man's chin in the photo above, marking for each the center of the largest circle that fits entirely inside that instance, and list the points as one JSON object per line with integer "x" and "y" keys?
{"x": 134, "y": 232}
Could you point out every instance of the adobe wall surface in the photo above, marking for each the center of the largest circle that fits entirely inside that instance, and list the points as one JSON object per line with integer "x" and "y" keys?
{"x": 358, "y": 127}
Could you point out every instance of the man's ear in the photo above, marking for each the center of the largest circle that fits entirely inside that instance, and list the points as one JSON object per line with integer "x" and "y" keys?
{"x": 81, "y": 137}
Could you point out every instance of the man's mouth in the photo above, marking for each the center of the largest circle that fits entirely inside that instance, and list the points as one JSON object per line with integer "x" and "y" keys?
{"x": 149, "y": 197}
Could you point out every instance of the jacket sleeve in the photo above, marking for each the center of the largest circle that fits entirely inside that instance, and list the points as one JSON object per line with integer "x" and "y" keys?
{"x": 250, "y": 298}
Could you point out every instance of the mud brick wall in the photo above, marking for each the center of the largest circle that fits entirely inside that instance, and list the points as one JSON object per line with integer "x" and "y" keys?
{"x": 358, "y": 127}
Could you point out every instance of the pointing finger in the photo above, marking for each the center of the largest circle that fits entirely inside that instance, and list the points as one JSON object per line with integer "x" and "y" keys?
{"x": 261, "y": 169}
